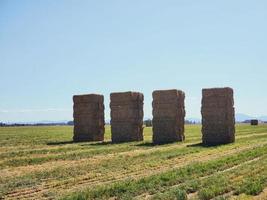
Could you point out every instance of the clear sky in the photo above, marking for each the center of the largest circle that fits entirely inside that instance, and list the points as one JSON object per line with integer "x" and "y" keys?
{"x": 51, "y": 50}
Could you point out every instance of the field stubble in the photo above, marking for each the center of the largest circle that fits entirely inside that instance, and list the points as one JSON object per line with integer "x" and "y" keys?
{"x": 43, "y": 163}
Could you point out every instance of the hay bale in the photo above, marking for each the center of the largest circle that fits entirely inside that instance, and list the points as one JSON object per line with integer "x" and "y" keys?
{"x": 148, "y": 123}
{"x": 218, "y": 116}
{"x": 126, "y": 116}
{"x": 88, "y": 114}
{"x": 168, "y": 116}
{"x": 254, "y": 122}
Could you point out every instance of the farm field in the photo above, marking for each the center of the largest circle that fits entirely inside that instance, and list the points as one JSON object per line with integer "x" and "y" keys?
{"x": 43, "y": 163}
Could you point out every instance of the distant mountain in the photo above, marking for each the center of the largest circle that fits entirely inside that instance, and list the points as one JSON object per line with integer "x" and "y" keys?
{"x": 40, "y": 122}
{"x": 50, "y": 121}
{"x": 239, "y": 117}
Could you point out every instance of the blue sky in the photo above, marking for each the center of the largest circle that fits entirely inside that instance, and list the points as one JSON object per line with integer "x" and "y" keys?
{"x": 51, "y": 50}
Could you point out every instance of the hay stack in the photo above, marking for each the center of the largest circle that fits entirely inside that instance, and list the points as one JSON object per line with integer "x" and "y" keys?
{"x": 218, "y": 116}
{"x": 254, "y": 122}
{"x": 168, "y": 116}
{"x": 88, "y": 113}
{"x": 126, "y": 116}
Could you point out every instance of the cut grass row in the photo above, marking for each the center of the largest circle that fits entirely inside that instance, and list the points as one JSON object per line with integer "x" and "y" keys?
{"x": 95, "y": 148}
{"x": 20, "y": 138}
{"x": 119, "y": 165}
{"x": 21, "y": 153}
{"x": 248, "y": 178}
{"x": 160, "y": 155}
{"x": 43, "y": 170}
{"x": 26, "y": 158}
{"x": 59, "y": 184}
{"x": 152, "y": 184}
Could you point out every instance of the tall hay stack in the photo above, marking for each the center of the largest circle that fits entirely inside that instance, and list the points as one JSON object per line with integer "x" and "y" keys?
{"x": 218, "y": 116}
{"x": 168, "y": 116}
{"x": 88, "y": 113}
{"x": 126, "y": 116}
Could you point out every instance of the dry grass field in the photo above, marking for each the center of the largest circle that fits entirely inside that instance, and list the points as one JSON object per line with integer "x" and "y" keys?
{"x": 43, "y": 163}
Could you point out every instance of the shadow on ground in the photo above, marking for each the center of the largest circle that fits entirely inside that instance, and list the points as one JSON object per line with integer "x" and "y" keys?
{"x": 151, "y": 144}
{"x": 85, "y": 143}
{"x": 204, "y": 145}
{"x": 61, "y": 143}
{"x": 98, "y": 144}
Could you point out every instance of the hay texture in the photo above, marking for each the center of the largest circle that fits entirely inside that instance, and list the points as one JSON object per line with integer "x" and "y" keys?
{"x": 168, "y": 116}
{"x": 218, "y": 116}
{"x": 88, "y": 113}
{"x": 126, "y": 116}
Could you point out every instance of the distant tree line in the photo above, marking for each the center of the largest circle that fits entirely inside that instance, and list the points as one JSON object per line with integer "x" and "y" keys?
{"x": 69, "y": 123}
{"x": 249, "y": 121}
{"x": 148, "y": 122}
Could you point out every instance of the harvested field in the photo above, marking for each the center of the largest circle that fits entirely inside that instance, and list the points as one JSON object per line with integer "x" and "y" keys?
{"x": 44, "y": 163}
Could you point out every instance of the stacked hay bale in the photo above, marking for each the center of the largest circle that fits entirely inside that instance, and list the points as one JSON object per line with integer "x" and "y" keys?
{"x": 88, "y": 113}
{"x": 126, "y": 116}
{"x": 168, "y": 116}
{"x": 148, "y": 123}
{"x": 218, "y": 116}
{"x": 254, "y": 122}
